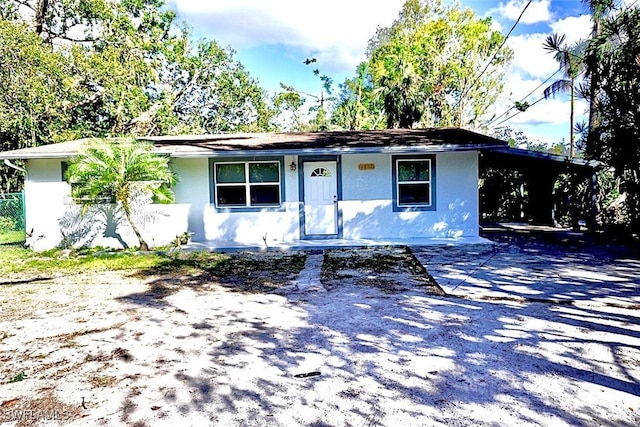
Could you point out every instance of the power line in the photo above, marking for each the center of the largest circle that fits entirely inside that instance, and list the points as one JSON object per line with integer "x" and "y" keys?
{"x": 519, "y": 111}
{"x": 486, "y": 67}
{"x": 525, "y": 97}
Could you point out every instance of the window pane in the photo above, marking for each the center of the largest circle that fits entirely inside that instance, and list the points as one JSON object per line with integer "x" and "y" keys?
{"x": 320, "y": 172}
{"x": 265, "y": 195}
{"x": 263, "y": 172}
{"x": 414, "y": 170}
{"x": 229, "y": 172}
{"x": 232, "y": 195}
{"x": 414, "y": 194}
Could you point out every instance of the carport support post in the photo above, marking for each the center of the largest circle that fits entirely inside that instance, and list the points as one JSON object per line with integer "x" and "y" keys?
{"x": 593, "y": 212}
{"x": 541, "y": 196}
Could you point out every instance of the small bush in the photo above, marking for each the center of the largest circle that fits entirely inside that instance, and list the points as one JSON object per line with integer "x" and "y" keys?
{"x": 7, "y": 224}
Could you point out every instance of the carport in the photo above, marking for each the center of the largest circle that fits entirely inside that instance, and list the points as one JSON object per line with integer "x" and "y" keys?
{"x": 540, "y": 171}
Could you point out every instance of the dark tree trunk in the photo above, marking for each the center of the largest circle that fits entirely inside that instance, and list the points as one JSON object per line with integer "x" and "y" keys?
{"x": 41, "y": 12}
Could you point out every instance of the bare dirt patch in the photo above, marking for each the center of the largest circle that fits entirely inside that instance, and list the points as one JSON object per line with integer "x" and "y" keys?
{"x": 390, "y": 269}
{"x": 156, "y": 348}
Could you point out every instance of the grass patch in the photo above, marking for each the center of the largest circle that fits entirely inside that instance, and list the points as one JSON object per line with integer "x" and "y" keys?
{"x": 244, "y": 272}
{"x": 12, "y": 238}
{"x": 259, "y": 272}
{"x": 376, "y": 262}
{"x": 251, "y": 272}
{"x": 24, "y": 262}
{"x": 390, "y": 269}
{"x": 4, "y": 335}
{"x": 100, "y": 381}
{"x": 21, "y": 376}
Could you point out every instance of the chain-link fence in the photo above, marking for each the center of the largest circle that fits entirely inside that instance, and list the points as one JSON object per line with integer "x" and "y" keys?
{"x": 12, "y": 221}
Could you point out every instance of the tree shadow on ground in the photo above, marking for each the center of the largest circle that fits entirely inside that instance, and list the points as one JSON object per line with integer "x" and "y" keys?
{"x": 355, "y": 355}
{"x": 241, "y": 272}
{"x": 565, "y": 268}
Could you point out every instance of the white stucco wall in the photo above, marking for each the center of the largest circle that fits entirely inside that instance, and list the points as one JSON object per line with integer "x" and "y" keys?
{"x": 366, "y": 207}
{"x": 53, "y": 219}
{"x": 253, "y": 227}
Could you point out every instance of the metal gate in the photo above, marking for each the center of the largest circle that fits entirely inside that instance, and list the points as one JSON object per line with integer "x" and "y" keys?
{"x": 12, "y": 218}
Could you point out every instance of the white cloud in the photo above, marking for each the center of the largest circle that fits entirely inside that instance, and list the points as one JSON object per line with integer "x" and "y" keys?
{"x": 530, "y": 67}
{"x": 551, "y": 111}
{"x": 575, "y": 28}
{"x": 538, "y": 11}
{"x": 529, "y": 58}
{"x": 331, "y": 28}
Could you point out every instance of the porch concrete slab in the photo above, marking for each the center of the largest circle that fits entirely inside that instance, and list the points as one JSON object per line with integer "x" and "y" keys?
{"x": 537, "y": 266}
{"x": 323, "y": 244}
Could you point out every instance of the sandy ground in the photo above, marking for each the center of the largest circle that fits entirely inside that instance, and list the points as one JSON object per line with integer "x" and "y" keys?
{"x": 353, "y": 348}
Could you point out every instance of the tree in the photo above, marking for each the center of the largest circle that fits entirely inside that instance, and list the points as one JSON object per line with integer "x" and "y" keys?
{"x": 437, "y": 65}
{"x": 34, "y": 91}
{"x": 289, "y": 103}
{"x": 598, "y": 9}
{"x": 359, "y": 106}
{"x": 292, "y": 99}
{"x": 203, "y": 89}
{"x": 614, "y": 57}
{"x": 571, "y": 62}
{"x": 97, "y": 68}
{"x": 124, "y": 172}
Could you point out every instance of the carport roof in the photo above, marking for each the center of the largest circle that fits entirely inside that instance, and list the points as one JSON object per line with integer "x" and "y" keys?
{"x": 517, "y": 158}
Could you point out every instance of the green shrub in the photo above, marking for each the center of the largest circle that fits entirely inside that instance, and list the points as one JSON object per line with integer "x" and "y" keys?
{"x": 6, "y": 224}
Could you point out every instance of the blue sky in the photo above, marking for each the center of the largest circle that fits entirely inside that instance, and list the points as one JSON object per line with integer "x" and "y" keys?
{"x": 273, "y": 38}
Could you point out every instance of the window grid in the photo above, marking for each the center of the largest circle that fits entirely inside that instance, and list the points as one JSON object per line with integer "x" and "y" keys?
{"x": 247, "y": 184}
{"x": 427, "y": 183}
{"x": 320, "y": 172}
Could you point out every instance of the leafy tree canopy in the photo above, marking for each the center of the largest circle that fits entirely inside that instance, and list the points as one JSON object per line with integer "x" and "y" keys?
{"x": 83, "y": 68}
{"x": 437, "y": 65}
{"x": 613, "y": 55}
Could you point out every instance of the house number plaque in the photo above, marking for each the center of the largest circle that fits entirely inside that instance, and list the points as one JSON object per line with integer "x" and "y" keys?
{"x": 366, "y": 166}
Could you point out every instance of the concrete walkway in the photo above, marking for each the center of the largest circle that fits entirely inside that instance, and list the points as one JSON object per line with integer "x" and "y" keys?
{"x": 537, "y": 267}
{"x": 309, "y": 277}
{"x": 323, "y": 244}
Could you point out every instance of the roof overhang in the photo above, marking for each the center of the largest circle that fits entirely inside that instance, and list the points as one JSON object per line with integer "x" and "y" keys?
{"x": 392, "y": 141}
{"x": 180, "y": 153}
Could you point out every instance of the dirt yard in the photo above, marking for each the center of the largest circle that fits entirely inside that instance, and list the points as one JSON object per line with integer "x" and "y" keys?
{"x": 373, "y": 343}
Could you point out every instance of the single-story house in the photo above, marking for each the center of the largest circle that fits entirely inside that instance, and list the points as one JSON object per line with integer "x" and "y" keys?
{"x": 266, "y": 188}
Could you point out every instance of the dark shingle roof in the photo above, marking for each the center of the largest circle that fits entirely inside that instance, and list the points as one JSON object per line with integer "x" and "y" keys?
{"x": 391, "y": 140}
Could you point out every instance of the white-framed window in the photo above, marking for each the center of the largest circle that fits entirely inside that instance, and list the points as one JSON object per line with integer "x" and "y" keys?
{"x": 247, "y": 184}
{"x": 413, "y": 182}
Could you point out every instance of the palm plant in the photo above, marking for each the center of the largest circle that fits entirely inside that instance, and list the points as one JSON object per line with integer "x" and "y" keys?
{"x": 571, "y": 62}
{"x": 401, "y": 96}
{"x": 125, "y": 172}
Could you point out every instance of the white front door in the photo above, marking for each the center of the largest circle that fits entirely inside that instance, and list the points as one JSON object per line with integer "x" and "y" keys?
{"x": 320, "y": 198}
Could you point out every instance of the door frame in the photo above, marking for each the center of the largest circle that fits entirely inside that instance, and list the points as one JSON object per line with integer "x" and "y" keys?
{"x": 301, "y": 161}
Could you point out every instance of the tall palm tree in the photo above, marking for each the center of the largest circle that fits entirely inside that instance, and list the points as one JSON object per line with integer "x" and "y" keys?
{"x": 599, "y": 9}
{"x": 123, "y": 172}
{"x": 571, "y": 62}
